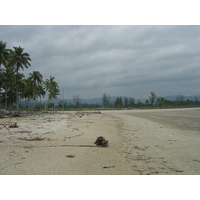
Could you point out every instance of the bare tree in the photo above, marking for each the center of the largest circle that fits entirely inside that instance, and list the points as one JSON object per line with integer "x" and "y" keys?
{"x": 152, "y": 97}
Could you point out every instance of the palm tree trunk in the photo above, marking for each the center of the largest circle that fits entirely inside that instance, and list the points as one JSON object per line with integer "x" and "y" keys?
{"x": 17, "y": 99}
{"x": 6, "y": 99}
{"x": 0, "y": 90}
{"x": 17, "y": 95}
{"x": 53, "y": 106}
{"x": 25, "y": 102}
{"x": 10, "y": 98}
{"x": 40, "y": 102}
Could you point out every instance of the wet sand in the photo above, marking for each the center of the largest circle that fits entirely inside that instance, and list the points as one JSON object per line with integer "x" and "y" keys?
{"x": 140, "y": 142}
{"x": 162, "y": 141}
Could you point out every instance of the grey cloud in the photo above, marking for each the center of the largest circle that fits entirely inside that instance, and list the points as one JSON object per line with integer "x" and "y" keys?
{"x": 120, "y": 60}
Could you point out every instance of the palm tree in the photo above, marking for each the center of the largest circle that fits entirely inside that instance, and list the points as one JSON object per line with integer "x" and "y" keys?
{"x": 3, "y": 58}
{"x": 8, "y": 79}
{"x": 36, "y": 81}
{"x": 3, "y": 54}
{"x": 41, "y": 91}
{"x": 36, "y": 78}
{"x": 20, "y": 83}
{"x": 7, "y": 82}
{"x": 52, "y": 87}
{"x": 19, "y": 60}
{"x": 27, "y": 91}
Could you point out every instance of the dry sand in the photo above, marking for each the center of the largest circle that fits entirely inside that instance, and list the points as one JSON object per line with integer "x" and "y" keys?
{"x": 48, "y": 156}
{"x": 140, "y": 142}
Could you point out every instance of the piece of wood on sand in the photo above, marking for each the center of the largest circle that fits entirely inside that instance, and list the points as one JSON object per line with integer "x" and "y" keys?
{"x": 101, "y": 141}
{"x": 13, "y": 125}
{"x": 31, "y": 139}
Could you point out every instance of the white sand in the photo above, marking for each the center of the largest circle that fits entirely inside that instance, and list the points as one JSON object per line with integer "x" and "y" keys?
{"x": 140, "y": 142}
{"x": 49, "y": 156}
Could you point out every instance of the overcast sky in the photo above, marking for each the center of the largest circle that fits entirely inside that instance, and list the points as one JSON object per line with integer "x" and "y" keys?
{"x": 118, "y": 60}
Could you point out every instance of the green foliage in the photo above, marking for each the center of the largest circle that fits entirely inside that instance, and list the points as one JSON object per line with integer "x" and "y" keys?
{"x": 118, "y": 102}
{"x": 126, "y": 102}
{"x": 62, "y": 104}
{"x": 52, "y": 88}
{"x": 4, "y": 53}
{"x": 106, "y": 100}
{"x": 147, "y": 103}
{"x": 139, "y": 104}
{"x": 131, "y": 102}
{"x": 179, "y": 102}
{"x": 13, "y": 84}
{"x": 18, "y": 59}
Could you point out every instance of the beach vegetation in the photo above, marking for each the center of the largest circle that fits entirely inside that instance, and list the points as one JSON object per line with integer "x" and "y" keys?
{"x": 52, "y": 88}
{"x": 126, "y": 102}
{"x": 118, "y": 102}
{"x": 18, "y": 59}
{"x": 14, "y": 86}
{"x": 4, "y": 52}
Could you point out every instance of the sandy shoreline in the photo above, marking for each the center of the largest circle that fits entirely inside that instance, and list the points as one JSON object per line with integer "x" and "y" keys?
{"x": 48, "y": 156}
{"x": 140, "y": 142}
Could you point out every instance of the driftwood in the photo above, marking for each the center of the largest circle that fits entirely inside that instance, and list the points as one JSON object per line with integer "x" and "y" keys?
{"x": 31, "y": 139}
{"x": 101, "y": 141}
{"x": 13, "y": 125}
{"x": 75, "y": 145}
{"x": 25, "y": 131}
{"x": 109, "y": 166}
{"x": 71, "y": 156}
{"x": 4, "y": 126}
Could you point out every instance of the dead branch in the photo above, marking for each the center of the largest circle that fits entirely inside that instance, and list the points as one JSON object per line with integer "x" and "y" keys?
{"x": 31, "y": 139}
{"x": 82, "y": 145}
{"x": 71, "y": 156}
{"x": 109, "y": 166}
{"x": 25, "y": 131}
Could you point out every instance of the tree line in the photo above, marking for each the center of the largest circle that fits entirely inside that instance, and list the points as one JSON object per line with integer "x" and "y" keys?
{"x": 13, "y": 84}
{"x": 151, "y": 102}
{"x": 129, "y": 102}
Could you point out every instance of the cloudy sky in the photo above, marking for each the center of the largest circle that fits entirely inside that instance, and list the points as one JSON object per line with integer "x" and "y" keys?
{"x": 118, "y": 60}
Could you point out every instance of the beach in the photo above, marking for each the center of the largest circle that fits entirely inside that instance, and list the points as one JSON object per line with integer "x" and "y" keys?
{"x": 140, "y": 142}
{"x": 163, "y": 141}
